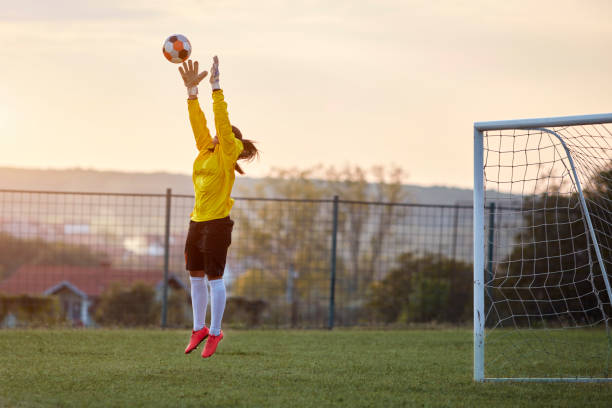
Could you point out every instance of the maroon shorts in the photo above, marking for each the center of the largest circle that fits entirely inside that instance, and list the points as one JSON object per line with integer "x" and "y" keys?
{"x": 206, "y": 245}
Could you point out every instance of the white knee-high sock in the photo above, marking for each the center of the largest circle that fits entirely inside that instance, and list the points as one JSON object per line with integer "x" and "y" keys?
{"x": 217, "y": 305}
{"x": 199, "y": 302}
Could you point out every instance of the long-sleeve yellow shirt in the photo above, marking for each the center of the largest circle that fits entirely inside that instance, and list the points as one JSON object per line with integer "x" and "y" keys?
{"x": 213, "y": 169}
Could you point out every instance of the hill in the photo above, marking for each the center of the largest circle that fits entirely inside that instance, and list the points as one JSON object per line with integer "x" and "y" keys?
{"x": 84, "y": 180}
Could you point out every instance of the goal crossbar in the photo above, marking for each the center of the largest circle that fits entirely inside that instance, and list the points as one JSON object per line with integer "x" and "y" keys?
{"x": 544, "y": 122}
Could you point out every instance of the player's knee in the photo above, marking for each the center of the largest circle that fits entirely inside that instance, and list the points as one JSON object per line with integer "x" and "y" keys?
{"x": 212, "y": 277}
{"x": 197, "y": 274}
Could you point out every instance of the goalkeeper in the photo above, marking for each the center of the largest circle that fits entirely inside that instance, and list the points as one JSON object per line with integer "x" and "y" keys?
{"x": 210, "y": 228}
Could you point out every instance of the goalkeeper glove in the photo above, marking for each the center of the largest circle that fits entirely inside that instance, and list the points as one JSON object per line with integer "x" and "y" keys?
{"x": 214, "y": 74}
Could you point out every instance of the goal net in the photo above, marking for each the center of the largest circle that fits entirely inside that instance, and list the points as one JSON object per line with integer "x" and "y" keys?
{"x": 543, "y": 249}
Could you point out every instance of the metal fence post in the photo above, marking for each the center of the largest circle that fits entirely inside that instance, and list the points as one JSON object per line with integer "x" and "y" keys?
{"x": 332, "y": 284}
{"x": 455, "y": 232}
{"x": 164, "y": 315}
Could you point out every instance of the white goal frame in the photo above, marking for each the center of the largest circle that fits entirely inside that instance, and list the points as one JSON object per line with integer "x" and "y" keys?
{"x": 543, "y": 125}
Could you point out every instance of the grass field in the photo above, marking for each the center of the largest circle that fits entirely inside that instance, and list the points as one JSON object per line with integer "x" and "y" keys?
{"x": 353, "y": 368}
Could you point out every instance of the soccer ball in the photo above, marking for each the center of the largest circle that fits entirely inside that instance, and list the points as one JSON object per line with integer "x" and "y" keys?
{"x": 177, "y": 48}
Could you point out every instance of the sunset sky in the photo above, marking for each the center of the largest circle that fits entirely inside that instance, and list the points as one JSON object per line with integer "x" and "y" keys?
{"x": 85, "y": 84}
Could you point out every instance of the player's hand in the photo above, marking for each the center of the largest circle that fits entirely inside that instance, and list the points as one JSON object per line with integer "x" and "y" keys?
{"x": 189, "y": 72}
{"x": 214, "y": 74}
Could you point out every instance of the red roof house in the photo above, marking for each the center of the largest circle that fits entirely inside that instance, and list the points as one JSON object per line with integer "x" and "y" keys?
{"x": 79, "y": 286}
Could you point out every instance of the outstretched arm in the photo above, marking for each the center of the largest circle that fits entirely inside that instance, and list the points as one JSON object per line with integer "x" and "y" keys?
{"x": 230, "y": 146}
{"x": 191, "y": 78}
{"x": 198, "y": 125}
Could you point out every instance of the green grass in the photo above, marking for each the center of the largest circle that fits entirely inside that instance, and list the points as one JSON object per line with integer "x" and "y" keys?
{"x": 547, "y": 353}
{"x": 353, "y": 368}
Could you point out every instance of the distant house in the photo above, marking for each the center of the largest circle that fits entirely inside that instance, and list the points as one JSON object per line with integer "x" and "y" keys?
{"x": 79, "y": 287}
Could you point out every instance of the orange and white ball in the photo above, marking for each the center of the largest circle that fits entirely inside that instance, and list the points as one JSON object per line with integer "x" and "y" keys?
{"x": 177, "y": 48}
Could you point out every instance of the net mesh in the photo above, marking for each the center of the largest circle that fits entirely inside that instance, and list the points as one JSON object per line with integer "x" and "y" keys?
{"x": 547, "y": 308}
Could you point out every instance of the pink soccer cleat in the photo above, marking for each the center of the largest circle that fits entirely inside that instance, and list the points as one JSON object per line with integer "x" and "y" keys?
{"x": 196, "y": 338}
{"x": 211, "y": 344}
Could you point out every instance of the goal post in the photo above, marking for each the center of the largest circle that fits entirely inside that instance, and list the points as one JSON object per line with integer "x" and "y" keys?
{"x": 542, "y": 311}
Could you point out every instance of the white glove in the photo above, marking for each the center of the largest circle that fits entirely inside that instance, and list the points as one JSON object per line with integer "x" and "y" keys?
{"x": 214, "y": 74}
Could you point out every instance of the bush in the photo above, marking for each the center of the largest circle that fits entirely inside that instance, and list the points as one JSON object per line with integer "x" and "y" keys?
{"x": 128, "y": 306}
{"x": 244, "y": 312}
{"x": 31, "y": 310}
{"x": 179, "y": 308}
{"x": 428, "y": 300}
{"x": 423, "y": 289}
{"x": 258, "y": 283}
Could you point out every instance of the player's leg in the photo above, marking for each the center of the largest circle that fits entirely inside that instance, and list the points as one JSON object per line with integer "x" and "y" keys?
{"x": 215, "y": 258}
{"x": 199, "y": 291}
{"x": 217, "y": 307}
{"x": 199, "y": 302}
{"x": 199, "y": 298}
{"x": 217, "y": 303}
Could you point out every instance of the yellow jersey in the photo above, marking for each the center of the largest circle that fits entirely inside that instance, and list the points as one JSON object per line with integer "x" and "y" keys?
{"x": 213, "y": 169}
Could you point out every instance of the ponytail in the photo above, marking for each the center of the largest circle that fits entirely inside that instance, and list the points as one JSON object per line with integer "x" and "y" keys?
{"x": 249, "y": 152}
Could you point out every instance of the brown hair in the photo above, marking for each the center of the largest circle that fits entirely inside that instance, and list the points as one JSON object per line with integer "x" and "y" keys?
{"x": 250, "y": 150}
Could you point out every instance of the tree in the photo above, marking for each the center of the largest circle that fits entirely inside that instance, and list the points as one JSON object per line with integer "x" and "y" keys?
{"x": 552, "y": 271}
{"x": 294, "y": 233}
{"x": 423, "y": 288}
{"x": 15, "y": 252}
{"x": 128, "y": 306}
{"x": 350, "y": 184}
{"x": 289, "y": 233}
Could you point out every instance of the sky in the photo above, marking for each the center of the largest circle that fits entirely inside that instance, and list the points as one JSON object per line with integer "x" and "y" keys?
{"x": 84, "y": 83}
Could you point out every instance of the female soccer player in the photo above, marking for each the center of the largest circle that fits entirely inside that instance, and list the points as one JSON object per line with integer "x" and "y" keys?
{"x": 210, "y": 228}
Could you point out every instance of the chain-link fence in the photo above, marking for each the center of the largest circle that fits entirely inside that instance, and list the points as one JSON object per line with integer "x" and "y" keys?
{"x": 98, "y": 259}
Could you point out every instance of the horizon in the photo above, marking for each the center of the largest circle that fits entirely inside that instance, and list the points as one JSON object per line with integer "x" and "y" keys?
{"x": 152, "y": 173}
{"x": 345, "y": 83}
